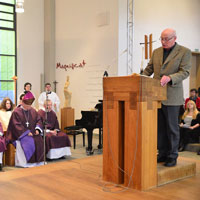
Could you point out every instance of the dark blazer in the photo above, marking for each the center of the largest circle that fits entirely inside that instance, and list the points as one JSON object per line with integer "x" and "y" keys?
{"x": 177, "y": 66}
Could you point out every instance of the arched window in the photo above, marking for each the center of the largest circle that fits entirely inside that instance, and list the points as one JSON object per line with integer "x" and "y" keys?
{"x": 7, "y": 48}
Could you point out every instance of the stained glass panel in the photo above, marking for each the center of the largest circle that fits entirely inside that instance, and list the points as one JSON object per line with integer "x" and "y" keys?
{"x": 6, "y": 16}
{"x": 8, "y": 1}
{"x": 7, "y": 40}
{"x": 6, "y": 24}
{"x": 7, "y": 90}
{"x": 7, "y": 67}
{"x": 6, "y": 8}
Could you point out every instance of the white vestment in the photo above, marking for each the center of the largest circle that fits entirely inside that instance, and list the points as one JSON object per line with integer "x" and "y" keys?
{"x": 1, "y": 157}
{"x": 53, "y": 97}
{"x": 20, "y": 159}
{"x": 5, "y": 118}
{"x": 59, "y": 153}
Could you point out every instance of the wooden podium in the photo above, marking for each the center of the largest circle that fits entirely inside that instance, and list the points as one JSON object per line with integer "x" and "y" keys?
{"x": 130, "y": 130}
{"x": 67, "y": 117}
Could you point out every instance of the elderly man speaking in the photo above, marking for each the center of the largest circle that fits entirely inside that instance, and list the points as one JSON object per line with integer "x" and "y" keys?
{"x": 171, "y": 64}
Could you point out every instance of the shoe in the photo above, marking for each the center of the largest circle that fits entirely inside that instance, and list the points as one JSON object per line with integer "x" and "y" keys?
{"x": 170, "y": 162}
{"x": 161, "y": 159}
{"x": 182, "y": 148}
{"x": 1, "y": 168}
{"x": 198, "y": 153}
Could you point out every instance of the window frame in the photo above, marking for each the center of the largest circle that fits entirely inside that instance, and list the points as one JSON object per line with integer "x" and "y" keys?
{"x": 15, "y": 31}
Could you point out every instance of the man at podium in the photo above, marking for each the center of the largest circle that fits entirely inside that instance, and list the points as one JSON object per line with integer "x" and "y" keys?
{"x": 171, "y": 64}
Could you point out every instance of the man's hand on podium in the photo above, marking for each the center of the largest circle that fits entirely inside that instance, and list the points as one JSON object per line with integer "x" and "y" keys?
{"x": 164, "y": 80}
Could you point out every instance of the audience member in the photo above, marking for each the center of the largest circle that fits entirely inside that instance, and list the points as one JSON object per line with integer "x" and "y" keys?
{"x": 5, "y": 112}
{"x": 199, "y": 92}
{"x": 27, "y": 88}
{"x": 194, "y": 97}
{"x": 189, "y": 126}
{"x": 20, "y": 100}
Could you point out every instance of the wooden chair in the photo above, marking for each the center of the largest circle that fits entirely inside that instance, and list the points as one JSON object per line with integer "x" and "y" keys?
{"x": 9, "y": 155}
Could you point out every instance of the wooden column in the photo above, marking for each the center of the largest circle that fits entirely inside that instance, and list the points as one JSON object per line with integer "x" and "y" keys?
{"x": 15, "y": 88}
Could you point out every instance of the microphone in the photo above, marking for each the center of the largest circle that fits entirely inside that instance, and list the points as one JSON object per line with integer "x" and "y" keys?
{"x": 105, "y": 74}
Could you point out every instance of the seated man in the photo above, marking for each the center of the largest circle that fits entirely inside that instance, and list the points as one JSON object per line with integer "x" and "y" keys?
{"x": 50, "y": 95}
{"x": 24, "y": 131}
{"x": 2, "y": 146}
{"x": 194, "y": 97}
{"x": 57, "y": 142}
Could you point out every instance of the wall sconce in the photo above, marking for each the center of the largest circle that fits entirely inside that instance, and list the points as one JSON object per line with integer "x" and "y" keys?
{"x": 19, "y": 7}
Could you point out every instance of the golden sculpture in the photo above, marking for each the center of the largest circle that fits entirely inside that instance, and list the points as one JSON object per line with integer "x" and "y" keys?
{"x": 67, "y": 93}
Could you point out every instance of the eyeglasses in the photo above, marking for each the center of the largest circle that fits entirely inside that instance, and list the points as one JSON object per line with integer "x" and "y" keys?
{"x": 166, "y": 39}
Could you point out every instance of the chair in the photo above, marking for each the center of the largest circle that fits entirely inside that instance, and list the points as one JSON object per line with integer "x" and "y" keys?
{"x": 9, "y": 155}
{"x": 74, "y": 131}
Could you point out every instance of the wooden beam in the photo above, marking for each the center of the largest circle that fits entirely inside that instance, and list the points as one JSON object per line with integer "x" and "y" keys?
{"x": 146, "y": 46}
{"x": 150, "y": 46}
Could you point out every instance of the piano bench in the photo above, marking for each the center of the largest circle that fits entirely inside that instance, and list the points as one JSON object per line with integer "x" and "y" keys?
{"x": 75, "y": 133}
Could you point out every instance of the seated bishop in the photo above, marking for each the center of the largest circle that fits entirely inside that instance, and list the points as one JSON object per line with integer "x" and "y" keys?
{"x": 24, "y": 131}
{"x": 57, "y": 143}
{"x": 2, "y": 146}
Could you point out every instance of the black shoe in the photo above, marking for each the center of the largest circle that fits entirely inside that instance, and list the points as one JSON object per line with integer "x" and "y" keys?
{"x": 198, "y": 153}
{"x": 161, "y": 159}
{"x": 182, "y": 148}
{"x": 1, "y": 168}
{"x": 170, "y": 162}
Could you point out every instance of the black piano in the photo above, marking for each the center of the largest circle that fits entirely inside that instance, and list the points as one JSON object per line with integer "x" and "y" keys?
{"x": 91, "y": 120}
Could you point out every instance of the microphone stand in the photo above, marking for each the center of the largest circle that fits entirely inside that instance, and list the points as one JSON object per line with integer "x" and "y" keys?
{"x": 45, "y": 127}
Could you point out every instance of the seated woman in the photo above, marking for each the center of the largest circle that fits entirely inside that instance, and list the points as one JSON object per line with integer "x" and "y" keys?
{"x": 6, "y": 109}
{"x": 189, "y": 126}
{"x": 57, "y": 143}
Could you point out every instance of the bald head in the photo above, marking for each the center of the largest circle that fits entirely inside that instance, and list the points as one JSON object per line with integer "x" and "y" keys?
{"x": 169, "y": 32}
{"x": 168, "y": 38}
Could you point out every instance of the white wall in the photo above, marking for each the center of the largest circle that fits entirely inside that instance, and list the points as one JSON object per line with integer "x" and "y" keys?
{"x": 156, "y": 15}
{"x": 79, "y": 37}
{"x": 30, "y": 45}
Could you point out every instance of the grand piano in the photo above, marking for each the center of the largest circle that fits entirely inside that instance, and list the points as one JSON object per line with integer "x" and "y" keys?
{"x": 91, "y": 120}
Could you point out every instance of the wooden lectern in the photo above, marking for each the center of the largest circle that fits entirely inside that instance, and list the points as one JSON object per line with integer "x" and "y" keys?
{"x": 130, "y": 130}
{"x": 67, "y": 117}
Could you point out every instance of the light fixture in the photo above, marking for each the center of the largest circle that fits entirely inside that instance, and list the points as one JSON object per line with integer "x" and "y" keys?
{"x": 19, "y": 7}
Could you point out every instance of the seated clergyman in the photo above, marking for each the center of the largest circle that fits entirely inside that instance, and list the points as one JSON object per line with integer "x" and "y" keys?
{"x": 57, "y": 142}
{"x": 24, "y": 130}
